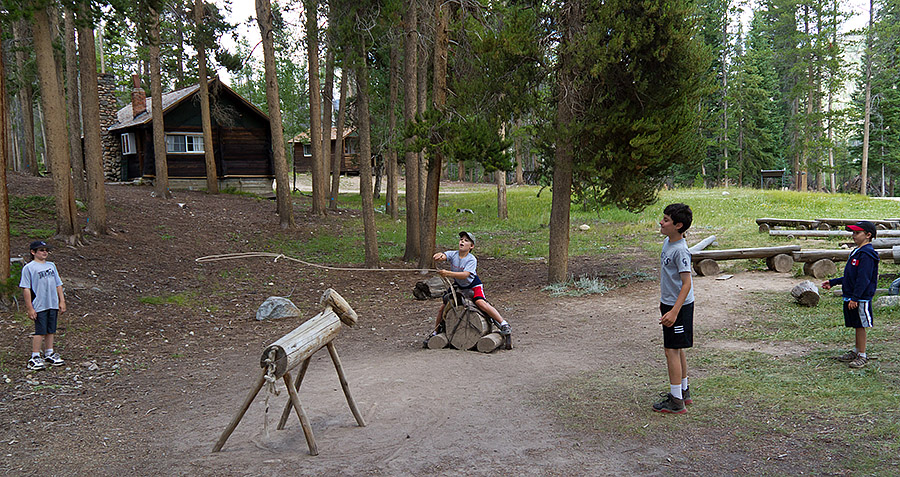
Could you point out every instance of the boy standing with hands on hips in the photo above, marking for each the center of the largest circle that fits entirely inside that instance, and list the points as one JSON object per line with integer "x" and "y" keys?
{"x": 676, "y": 305}
{"x": 858, "y": 288}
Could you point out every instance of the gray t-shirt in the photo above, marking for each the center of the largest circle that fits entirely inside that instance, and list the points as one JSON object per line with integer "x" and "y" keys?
{"x": 462, "y": 264}
{"x": 674, "y": 259}
{"x": 42, "y": 279}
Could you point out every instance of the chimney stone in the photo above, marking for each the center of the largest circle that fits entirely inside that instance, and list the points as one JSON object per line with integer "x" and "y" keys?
{"x": 138, "y": 97}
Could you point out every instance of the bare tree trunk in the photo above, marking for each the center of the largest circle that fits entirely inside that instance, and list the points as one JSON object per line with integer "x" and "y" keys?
{"x": 558, "y": 262}
{"x": 327, "y": 107}
{"x": 433, "y": 181}
{"x": 55, "y": 139}
{"x": 26, "y": 99}
{"x": 520, "y": 174}
{"x": 864, "y": 167}
{"x": 725, "y": 98}
{"x": 180, "y": 10}
{"x": 315, "y": 109}
{"x": 422, "y": 106}
{"x": 283, "y": 190}
{"x": 93, "y": 152}
{"x": 410, "y": 50}
{"x": 393, "y": 173}
{"x": 5, "y": 149}
{"x": 365, "y": 163}
{"x": 161, "y": 184}
{"x": 209, "y": 155}
{"x": 73, "y": 106}
{"x": 338, "y": 155}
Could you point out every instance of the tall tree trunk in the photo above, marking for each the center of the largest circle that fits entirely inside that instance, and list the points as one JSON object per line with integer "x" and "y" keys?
{"x": 410, "y": 106}
{"x": 209, "y": 154}
{"x": 5, "y": 149}
{"x": 283, "y": 190}
{"x": 327, "y": 107}
{"x": 73, "y": 106}
{"x": 319, "y": 197}
{"x": 393, "y": 173}
{"x": 337, "y": 157}
{"x": 439, "y": 93}
{"x": 502, "y": 211}
{"x": 520, "y": 174}
{"x": 725, "y": 98}
{"x": 365, "y": 161}
{"x": 422, "y": 106}
{"x": 161, "y": 184}
{"x": 864, "y": 167}
{"x": 558, "y": 261}
{"x": 180, "y": 11}
{"x": 55, "y": 139}
{"x": 26, "y": 98}
{"x": 93, "y": 150}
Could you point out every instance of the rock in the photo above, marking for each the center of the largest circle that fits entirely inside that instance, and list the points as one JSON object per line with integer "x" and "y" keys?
{"x": 887, "y": 300}
{"x": 584, "y": 227}
{"x": 276, "y": 307}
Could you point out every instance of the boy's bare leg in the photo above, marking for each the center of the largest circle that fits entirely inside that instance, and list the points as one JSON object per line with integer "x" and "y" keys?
{"x": 673, "y": 363}
{"x": 683, "y": 364}
{"x": 860, "y": 340}
{"x": 486, "y": 307}
{"x": 36, "y": 341}
{"x": 439, "y": 318}
{"x": 48, "y": 341}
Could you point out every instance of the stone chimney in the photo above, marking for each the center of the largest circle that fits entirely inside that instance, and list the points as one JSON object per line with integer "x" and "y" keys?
{"x": 138, "y": 97}
{"x": 112, "y": 154}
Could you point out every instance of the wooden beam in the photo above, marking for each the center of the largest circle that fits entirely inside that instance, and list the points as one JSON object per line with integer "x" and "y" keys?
{"x": 738, "y": 253}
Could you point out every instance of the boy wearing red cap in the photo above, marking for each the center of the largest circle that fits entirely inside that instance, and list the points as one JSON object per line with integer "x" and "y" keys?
{"x": 858, "y": 288}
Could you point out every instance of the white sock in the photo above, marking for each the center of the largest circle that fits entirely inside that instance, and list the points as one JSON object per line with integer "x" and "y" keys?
{"x": 35, "y": 355}
{"x": 49, "y": 352}
{"x": 503, "y": 323}
{"x": 855, "y": 350}
{"x": 684, "y": 384}
{"x": 862, "y": 355}
{"x": 675, "y": 389}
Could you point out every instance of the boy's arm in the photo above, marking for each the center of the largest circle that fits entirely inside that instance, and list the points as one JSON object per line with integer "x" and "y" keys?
{"x": 62, "y": 299}
{"x": 863, "y": 277}
{"x": 440, "y": 257}
{"x": 669, "y": 318}
{"x": 457, "y": 275}
{"x": 26, "y": 292}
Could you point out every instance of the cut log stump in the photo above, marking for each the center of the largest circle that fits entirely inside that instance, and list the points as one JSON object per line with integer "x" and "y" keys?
{"x": 820, "y": 268}
{"x": 434, "y": 287}
{"x": 438, "y": 341}
{"x": 706, "y": 267}
{"x": 781, "y": 263}
{"x": 490, "y": 342}
{"x": 464, "y": 325}
{"x": 806, "y": 293}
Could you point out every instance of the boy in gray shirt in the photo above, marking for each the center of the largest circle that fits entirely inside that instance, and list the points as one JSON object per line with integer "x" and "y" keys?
{"x": 44, "y": 300}
{"x": 676, "y": 305}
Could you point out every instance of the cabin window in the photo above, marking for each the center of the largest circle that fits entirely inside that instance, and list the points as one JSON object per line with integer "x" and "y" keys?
{"x": 349, "y": 147}
{"x": 307, "y": 151}
{"x": 184, "y": 143}
{"x": 128, "y": 145}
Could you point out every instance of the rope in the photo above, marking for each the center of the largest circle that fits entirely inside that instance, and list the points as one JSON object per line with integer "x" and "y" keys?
{"x": 270, "y": 386}
{"x": 277, "y": 256}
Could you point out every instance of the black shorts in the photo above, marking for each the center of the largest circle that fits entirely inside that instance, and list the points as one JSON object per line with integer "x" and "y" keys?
{"x": 861, "y": 317}
{"x": 45, "y": 323}
{"x": 680, "y": 334}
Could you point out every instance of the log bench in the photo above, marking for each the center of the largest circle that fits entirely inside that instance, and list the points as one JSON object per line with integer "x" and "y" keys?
{"x": 820, "y": 263}
{"x": 828, "y": 224}
{"x": 766, "y": 223}
{"x": 777, "y": 258}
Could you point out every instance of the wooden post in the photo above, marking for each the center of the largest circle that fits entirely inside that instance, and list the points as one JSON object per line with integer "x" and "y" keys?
{"x": 240, "y": 414}
{"x": 438, "y": 341}
{"x": 340, "y": 371}
{"x": 287, "y": 406}
{"x": 820, "y": 268}
{"x": 304, "y": 422}
{"x": 490, "y": 342}
{"x": 781, "y": 263}
{"x": 706, "y": 267}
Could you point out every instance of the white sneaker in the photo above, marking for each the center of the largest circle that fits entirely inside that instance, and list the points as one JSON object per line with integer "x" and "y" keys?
{"x": 36, "y": 362}
{"x": 54, "y": 359}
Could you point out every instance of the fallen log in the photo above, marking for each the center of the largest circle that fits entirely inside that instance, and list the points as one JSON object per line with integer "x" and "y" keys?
{"x": 434, "y": 287}
{"x": 739, "y": 253}
{"x": 465, "y": 325}
{"x": 438, "y": 341}
{"x": 490, "y": 342}
{"x": 706, "y": 267}
{"x": 799, "y": 223}
{"x": 881, "y": 224}
{"x": 704, "y": 243}
{"x": 836, "y": 291}
{"x": 885, "y": 242}
{"x": 806, "y": 293}
{"x": 781, "y": 263}
{"x": 843, "y": 255}
{"x": 825, "y": 233}
{"x": 820, "y": 268}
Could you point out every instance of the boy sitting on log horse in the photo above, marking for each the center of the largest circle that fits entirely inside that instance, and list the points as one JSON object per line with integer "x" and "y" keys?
{"x": 463, "y": 271}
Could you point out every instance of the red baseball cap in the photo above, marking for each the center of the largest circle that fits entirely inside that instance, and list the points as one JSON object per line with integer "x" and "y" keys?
{"x": 863, "y": 226}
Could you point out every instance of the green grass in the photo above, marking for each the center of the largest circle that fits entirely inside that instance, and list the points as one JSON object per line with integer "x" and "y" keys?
{"x": 180, "y": 299}
{"x": 29, "y": 216}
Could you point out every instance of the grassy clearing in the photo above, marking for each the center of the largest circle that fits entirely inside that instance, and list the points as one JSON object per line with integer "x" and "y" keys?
{"x": 180, "y": 299}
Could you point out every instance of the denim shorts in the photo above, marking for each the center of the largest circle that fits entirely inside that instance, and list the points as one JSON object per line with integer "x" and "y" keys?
{"x": 45, "y": 323}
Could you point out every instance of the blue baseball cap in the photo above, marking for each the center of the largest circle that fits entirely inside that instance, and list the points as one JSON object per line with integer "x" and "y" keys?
{"x": 39, "y": 244}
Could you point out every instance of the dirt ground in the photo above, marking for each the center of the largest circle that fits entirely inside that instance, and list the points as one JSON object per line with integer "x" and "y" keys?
{"x": 148, "y": 388}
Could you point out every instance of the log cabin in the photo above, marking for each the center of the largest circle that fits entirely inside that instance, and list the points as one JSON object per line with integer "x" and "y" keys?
{"x": 349, "y": 159}
{"x": 241, "y": 140}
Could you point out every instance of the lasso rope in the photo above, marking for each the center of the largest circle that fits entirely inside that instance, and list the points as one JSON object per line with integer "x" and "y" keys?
{"x": 277, "y": 256}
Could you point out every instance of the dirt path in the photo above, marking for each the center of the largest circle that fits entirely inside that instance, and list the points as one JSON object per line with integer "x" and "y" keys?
{"x": 167, "y": 379}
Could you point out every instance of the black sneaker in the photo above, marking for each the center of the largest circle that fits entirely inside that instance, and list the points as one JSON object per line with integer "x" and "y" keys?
{"x": 504, "y": 329}
{"x": 670, "y": 404}
{"x": 54, "y": 359}
{"x": 686, "y": 397}
{"x": 425, "y": 343}
{"x": 36, "y": 363}
{"x": 847, "y": 357}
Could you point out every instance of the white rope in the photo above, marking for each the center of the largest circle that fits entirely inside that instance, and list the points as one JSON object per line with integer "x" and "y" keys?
{"x": 277, "y": 256}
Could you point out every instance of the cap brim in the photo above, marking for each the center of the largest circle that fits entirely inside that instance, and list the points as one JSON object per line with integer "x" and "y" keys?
{"x": 855, "y": 228}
